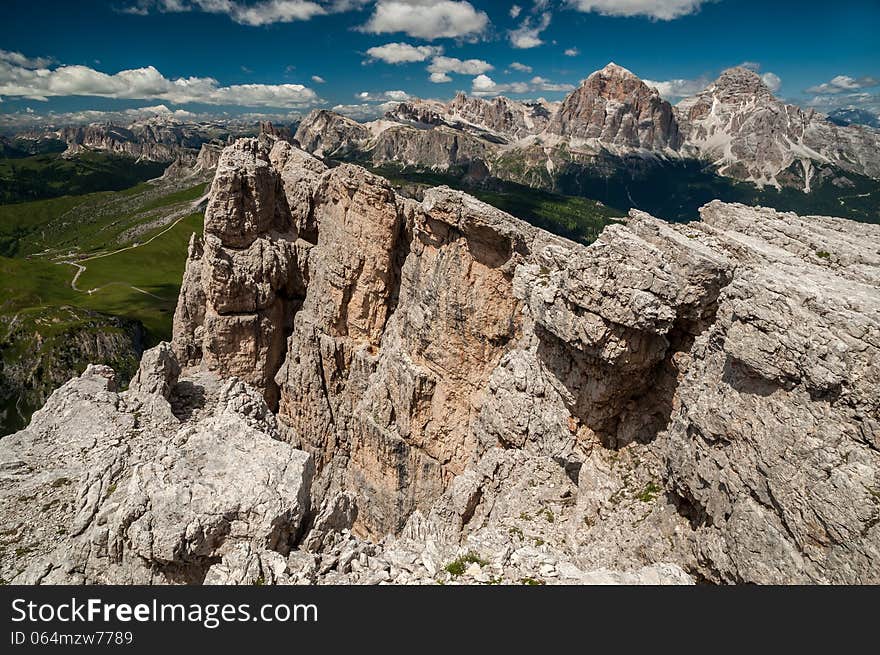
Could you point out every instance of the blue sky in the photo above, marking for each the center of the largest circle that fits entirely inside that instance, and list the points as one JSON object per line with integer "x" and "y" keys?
{"x": 288, "y": 56}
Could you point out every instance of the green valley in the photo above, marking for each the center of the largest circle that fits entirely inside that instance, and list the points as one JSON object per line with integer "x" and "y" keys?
{"x": 49, "y": 175}
{"x": 85, "y": 279}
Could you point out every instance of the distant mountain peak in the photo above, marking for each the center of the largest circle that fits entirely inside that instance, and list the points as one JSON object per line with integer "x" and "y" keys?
{"x": 740, "y": 81}
{"x": 612, "y": 69}
{"x": 749, "y": 134}
{"x": 846, "y": 116}
{"x": 616, "y": 108}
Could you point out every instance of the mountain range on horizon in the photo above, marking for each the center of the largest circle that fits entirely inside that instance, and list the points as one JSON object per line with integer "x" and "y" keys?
{"x": 614, "y": 125}
{"x": 735, "y": 125}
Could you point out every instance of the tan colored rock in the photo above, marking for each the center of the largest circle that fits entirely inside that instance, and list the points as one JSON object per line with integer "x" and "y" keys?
{"x": 300, "y": 175}
{"x": 242, "y": 202}
{"x": 158, "y": 371}
{"x": 411, "y": 340}
{"x": 245, "y": 278}
{"x": 189, "y": 315}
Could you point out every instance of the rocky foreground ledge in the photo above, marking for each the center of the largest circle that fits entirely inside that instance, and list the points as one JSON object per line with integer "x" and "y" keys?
{"x": 363, "y": 388}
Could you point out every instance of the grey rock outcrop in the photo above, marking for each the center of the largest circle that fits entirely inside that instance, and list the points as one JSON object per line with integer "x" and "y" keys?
{"x": 502, "y": 115}
{"x": 107, "y": 487}
{"x": 739, "y": 125}
{"x": 208, "y": 157}
{"x": 243, "y": 281}
{"x": 158, "y": 371}
{"x": 481, "y": 401}
{"x": 327, "y": 134}
{"x": 493, "y": 118}
{"x": 156, "y": 139}
{"x": 430, "y": 333}
{"x": 439, "y": 148}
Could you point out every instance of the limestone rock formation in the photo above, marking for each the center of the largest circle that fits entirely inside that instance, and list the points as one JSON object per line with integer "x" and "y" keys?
{"x": 243, "y": 280}
{"x": 158, "y": 371}
{"x": 430, "y": 333}
{"x": 158, "y": 138}
{"x": 503, "y": 115}
{"x": 480, "y": 401}
{"x": 208, "y": 157}
{"x": 615, "y": 108}
{"x": 326, "y": 133}
{"x": 441, "y": 148}
{"x": 493, "y": 118}
{"x": 739, "y": 125}
{"x": 92, "y": 491}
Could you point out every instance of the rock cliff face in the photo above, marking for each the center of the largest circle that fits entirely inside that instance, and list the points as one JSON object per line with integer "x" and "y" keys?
{"x": 243, "y": 280}
{"x": 188, "y": 148}
{"x": 111, "y": 489}
{"x": 498, "y": 119}
{"x": 440, "y": 148}
{"x": 327, "y": 134}
{"x": 155, "y": 139}
{"x": 615, "y": 108}
{"x": 208, "y": 157}
{"x": 118, "y": 140}
{"x": 502, "y": 115}
{"x": 428, "y": 334}
{"x": 474, "y": 392}
{"x": 749, "y": 134}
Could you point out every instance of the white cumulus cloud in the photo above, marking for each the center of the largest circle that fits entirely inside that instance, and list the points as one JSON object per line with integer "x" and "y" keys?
{"x": 365, "y": 111}
{"x": 676, "y": 89}
{"x": 861, "y": 100}
{"x": 264, "y": 12}
{"x": 317, "y": 79}
{"x": 522, "y": 68}
{"x": 843, "y": 84}
{"x": 483, "y": 85}
{"x": 144, "y": 83}
{"x": 440, "y": 68}
{"x": 18, "y": 59}
{"x": 427, "y": 19}
{"x": 653, "y": 9}
{"x": 383, "y": 96}
{"x": 528, "y": 35}
{"x": 772, "y": 80}
{"x": 403, "y": 53}
{"x": 572, "y": 52}
{"x": 541, "y": 84}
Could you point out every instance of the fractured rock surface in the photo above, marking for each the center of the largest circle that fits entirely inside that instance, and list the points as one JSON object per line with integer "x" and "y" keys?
{"x": 114, "y": 488}
{"x": 436, "y": 391}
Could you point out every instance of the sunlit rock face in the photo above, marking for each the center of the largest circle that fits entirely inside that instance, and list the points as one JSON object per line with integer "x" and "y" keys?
{"x": 669, "y": 403}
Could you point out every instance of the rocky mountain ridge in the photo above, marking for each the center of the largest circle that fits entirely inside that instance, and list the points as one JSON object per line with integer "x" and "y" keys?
{"x": 614, "y": 109}
{"x": 736, "y": 126}
{"x": 189, "y": 148}
{"x": 748, "y": 134}
{"x": 436, "y": 391}
{"x": 854, "y": 116}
